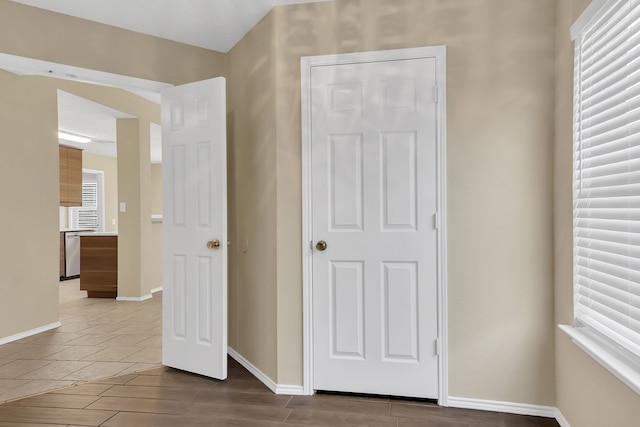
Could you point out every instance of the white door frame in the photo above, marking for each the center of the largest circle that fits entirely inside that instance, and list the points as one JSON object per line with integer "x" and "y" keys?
{"x": 306, "y": 64}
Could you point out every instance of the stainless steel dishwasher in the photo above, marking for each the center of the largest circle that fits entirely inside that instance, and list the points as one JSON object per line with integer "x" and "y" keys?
{"x": 71, "y": 254}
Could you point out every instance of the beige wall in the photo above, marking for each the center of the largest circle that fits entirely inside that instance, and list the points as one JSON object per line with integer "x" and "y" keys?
{"x": 252, "y": 198}
{"x": 500, "y": 58}
{"x": 29, "y": 255}
{"x": 135, "y": 255}
{"x": 156, "y": 189}
{"x": 155, "y": 275}
{"x": 587, "y": 394}
{"x": 109, "y": 165}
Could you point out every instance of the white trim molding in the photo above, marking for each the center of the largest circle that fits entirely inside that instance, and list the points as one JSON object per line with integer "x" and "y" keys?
{"x": 587, "y": 16}
{"x": 135, "y": 299}
{"x": 20, "y": 65}
{"x": 30, "y": 332}
{"x": 306, "y": 64}
{"x": 561, "y": 419}
{"x": 294, "y": 390}
{"x": 154, "y": 290}
{"x": 607, "y": 355}
{"x": 508, "y": 407}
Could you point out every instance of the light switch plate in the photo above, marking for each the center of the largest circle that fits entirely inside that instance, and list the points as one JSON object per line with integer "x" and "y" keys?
{"x": 123, "y": 207}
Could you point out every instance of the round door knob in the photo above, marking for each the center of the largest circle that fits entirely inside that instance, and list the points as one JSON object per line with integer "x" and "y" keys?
{"x": 213, "y": 244}
{"x": 321, "y": 245}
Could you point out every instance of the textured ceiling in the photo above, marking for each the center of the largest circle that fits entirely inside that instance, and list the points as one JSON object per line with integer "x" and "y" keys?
{"x": 212, "y": 24}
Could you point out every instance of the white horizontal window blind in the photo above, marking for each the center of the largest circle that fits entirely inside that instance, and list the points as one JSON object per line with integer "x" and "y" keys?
{"x": 607, "y": 175}
{"x": 86, "y": 217}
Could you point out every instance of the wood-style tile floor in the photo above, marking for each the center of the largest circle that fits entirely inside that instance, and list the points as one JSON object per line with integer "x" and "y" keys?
{"x": 164, "y": 397}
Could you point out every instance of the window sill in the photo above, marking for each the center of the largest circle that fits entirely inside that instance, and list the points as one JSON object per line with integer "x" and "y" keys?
{"x": 608, "y": 356}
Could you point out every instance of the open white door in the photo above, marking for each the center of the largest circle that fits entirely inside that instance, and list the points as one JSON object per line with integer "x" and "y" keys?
{"x": 194, "y": 171}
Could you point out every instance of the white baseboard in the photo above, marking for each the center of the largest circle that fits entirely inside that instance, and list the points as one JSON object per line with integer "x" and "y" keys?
{"x": 154, "y": 290}
{"x": 290, "y": 390}
{"x": 135, "y": 299}
{"x": 561, "y": 419}
{"x": 508, "y": 407}
{"x": 30, "y": 332}
{"x": 276, "y": 388}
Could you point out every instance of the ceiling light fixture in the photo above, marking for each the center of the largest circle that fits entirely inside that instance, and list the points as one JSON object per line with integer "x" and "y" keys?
{"x": 73, "y": 137}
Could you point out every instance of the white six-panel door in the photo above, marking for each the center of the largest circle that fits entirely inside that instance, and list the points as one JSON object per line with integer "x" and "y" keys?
{"x": 194, "y": 311}
{"x": 374, "y": 189}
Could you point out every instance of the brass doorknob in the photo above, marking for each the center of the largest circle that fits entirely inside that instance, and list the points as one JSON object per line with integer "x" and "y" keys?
{"x": 321, "y": 245}
{"x": 213, "y": 244}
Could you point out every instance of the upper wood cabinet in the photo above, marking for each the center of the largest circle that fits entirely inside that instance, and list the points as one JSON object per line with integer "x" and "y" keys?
{"x": 70, "y": 176}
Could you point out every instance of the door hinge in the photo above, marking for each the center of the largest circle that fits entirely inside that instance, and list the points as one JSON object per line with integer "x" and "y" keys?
{"x": 435, "y": 94}
{"x": 436, "y": 221}
{"x": 437, "y": 347}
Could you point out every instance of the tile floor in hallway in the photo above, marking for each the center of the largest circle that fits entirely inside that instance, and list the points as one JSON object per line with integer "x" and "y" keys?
{"x": 99, "y": 338}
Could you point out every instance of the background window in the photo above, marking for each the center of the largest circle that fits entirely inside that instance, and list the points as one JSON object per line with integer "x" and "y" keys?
{"x": 90, "y": 215}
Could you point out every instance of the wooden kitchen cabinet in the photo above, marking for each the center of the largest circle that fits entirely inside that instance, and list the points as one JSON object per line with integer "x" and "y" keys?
{"x": 99, "y": 265}
{"x": 70, "y": 176}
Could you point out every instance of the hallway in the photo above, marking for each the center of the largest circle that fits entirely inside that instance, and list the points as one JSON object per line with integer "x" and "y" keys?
{"x": 99, "y": 338}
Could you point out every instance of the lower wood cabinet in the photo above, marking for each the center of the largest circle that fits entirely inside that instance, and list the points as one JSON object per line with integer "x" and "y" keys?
{"x": 99, "y": 266}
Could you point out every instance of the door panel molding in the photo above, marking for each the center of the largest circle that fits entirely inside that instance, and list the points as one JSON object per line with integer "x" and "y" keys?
{"x": 343, "y": 99}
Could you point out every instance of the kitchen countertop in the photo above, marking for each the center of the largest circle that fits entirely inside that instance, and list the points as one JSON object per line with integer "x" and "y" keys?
{"x": 96, "y": 234}
{"x": 73, "y": 230}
